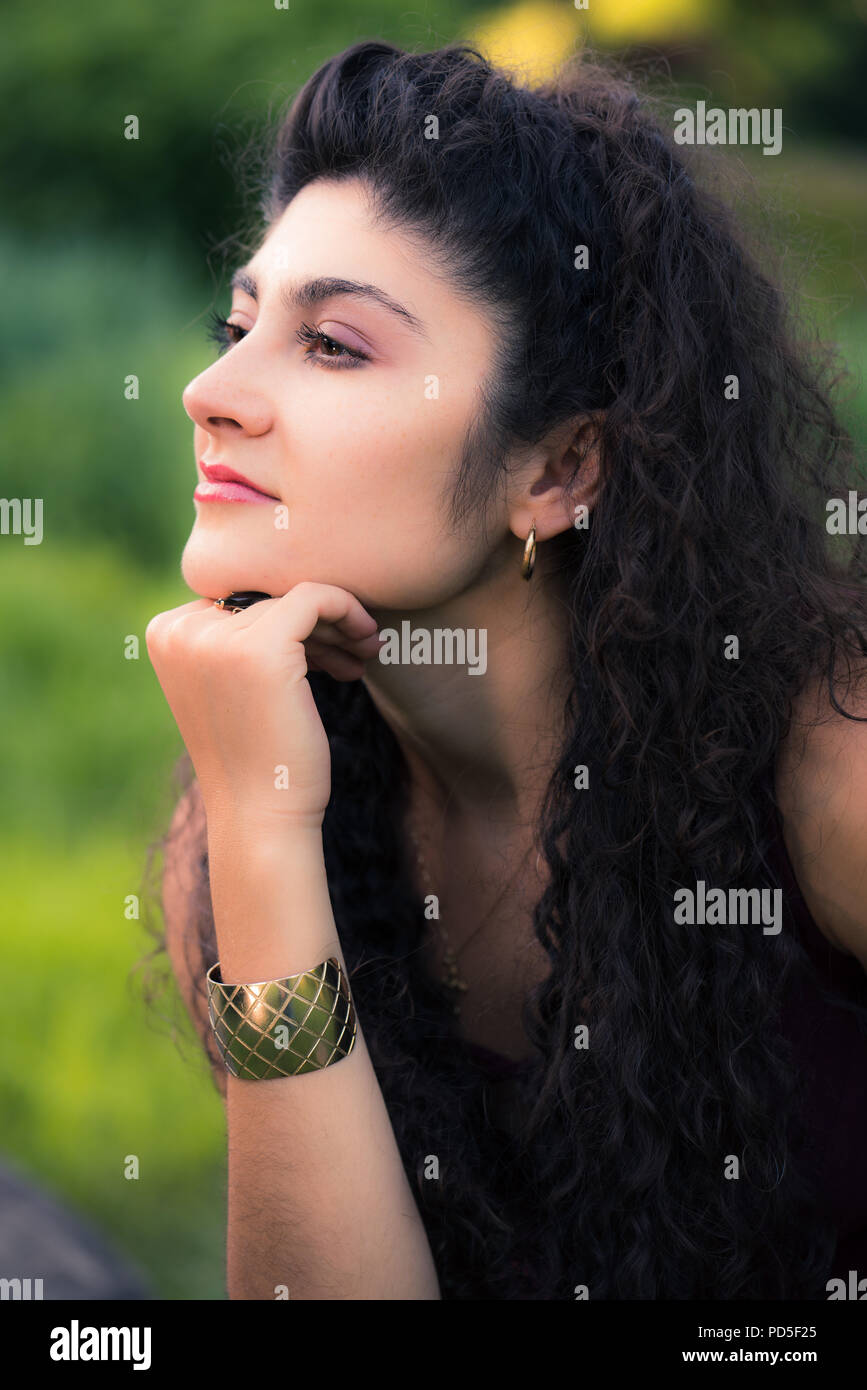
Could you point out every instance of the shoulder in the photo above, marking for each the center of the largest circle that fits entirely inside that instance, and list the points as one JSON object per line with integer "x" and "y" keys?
{"x": 822, "y": 796}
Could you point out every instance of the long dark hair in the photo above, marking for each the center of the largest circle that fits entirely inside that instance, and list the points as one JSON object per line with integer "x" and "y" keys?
{"x": 709, "y": 525}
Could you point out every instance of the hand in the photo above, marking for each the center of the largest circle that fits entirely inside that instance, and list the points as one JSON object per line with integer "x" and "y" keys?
{"x": 236, "y": 684}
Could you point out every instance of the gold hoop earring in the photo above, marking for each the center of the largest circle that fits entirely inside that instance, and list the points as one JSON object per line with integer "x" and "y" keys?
{"x": 529, "y": 559}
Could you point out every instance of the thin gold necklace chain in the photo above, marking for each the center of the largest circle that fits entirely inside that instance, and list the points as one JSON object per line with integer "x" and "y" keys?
{"x": 451, "y": 976}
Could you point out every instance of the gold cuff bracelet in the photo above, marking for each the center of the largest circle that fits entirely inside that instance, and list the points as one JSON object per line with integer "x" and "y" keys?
{"x": 283, "y": 1027}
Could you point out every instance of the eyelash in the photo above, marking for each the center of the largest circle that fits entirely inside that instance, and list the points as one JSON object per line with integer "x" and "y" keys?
{"x": 220, "y": 332}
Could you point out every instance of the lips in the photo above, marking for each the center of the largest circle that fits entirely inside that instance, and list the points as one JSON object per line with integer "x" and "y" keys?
{"x": 219, "y": 473}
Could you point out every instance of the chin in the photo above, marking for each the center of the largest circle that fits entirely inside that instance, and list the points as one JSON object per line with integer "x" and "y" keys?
{"x": 212, "y": 571}
{"x": 213, "y": 565}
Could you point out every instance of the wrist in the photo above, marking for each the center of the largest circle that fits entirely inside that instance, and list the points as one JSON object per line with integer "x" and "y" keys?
{"x": 271, "y": 903}
{"x": 238, "y": 810}
{"x": 252, "y": 840}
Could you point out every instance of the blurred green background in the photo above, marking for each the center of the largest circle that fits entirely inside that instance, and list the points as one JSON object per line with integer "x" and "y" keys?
{"x": 109, "y": 251}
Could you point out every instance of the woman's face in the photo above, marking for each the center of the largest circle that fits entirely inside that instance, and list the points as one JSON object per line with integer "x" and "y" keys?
{"x": 357, "y": 454}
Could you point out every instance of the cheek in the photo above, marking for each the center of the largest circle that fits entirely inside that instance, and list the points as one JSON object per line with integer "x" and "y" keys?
{"x": 380, "y": 455}
{"x": 375, "y": 508}
{"x": 367, "y": 486}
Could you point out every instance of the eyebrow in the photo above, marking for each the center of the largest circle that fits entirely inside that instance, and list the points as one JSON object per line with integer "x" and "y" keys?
{"x": 308, "y": 293}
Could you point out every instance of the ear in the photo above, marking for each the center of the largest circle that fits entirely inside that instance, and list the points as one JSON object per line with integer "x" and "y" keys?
{"x": 560, "y": 475}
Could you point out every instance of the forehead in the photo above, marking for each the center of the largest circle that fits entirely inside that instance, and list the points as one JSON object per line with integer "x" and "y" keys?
{"x": 330, "y": 229}
{"x": 336, "y": 215}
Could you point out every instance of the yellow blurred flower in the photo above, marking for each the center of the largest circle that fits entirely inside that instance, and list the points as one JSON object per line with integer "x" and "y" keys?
{"x": 531, "y": 39}
{"x": 638, "y": 21}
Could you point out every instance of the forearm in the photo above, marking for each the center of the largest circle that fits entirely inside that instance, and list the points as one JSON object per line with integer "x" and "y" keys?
{"x": 318, "y": 1200}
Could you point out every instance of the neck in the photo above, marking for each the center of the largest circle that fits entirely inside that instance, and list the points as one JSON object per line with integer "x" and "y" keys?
{"x": 486, "y": 742}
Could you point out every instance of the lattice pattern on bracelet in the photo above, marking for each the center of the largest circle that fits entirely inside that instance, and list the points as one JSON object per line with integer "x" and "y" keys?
{"x": 314, "y": 1009}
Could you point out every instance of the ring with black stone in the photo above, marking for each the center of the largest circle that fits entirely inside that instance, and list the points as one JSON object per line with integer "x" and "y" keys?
{"x": 236, "y": 602}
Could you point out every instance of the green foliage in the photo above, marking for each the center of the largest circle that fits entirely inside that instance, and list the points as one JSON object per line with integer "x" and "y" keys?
{"x": 204, "y": 75}
{"x": 86, "y": 737}
{"x": 87, "y": 743}
{"x": 81, "y": 317}
{"x": 90, "y": 1077}
{"x": 195, "y": 74}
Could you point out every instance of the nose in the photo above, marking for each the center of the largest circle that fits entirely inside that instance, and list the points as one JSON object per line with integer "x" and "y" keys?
{"x": 217, "y": 400}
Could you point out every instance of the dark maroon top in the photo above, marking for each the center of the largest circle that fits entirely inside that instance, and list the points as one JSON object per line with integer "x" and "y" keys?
{"x": 830, "y": 1048}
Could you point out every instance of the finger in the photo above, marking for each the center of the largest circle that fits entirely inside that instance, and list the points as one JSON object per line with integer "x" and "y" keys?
{"x": 333, "y": 614}
{"x": 323, "y": 651}
{"x": 325, "y": 638}
{"x": 331, "y": 636}
{"x": 297, "y": 613}
{"x": 327, "y": 634}
{"x": 336, "y": 663}
{"x": 162, "y": 623}
{"x": 204, "y": 612}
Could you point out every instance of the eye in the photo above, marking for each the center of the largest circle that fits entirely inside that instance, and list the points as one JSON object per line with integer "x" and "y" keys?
{"x": 334, "y": 353}
{"x": 343, "y": 357}
{"x": 221, "y": 332}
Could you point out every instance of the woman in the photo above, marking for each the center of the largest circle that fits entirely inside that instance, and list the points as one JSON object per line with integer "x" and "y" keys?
{"x": 503, "y": 385}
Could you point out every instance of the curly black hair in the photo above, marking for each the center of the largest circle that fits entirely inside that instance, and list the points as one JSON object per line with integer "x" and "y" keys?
{"x": 709, "y": 525}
